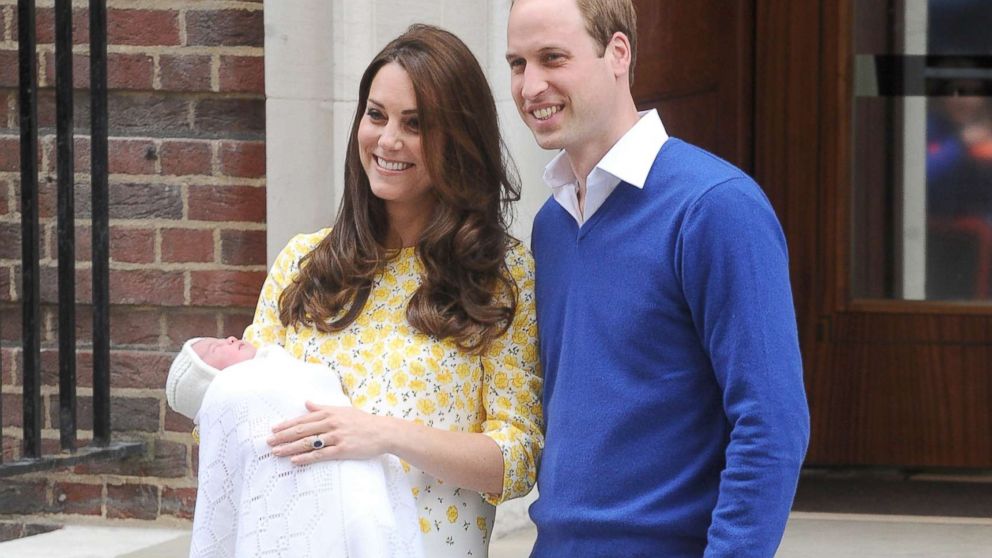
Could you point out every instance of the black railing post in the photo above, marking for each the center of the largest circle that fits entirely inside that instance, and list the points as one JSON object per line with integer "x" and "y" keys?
{"x": 66, "y": 224}
{"x": 30, "y": 269}
{"x": 101, "y": 222}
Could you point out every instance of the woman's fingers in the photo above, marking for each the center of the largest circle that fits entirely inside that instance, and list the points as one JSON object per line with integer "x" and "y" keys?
{"x": 308, "y": 444}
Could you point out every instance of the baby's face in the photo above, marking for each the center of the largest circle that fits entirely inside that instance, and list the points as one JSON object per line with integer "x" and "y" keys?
{"x": 221, "y": 353}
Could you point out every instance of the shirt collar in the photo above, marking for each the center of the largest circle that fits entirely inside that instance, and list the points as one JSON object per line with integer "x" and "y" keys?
{"x": 629, "y": 160}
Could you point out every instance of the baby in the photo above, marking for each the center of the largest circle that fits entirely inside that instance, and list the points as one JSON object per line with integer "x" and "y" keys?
{"x": 250, "y": 502}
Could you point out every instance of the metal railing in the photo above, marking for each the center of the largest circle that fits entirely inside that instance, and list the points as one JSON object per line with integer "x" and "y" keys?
{"x": 101, "y": 446}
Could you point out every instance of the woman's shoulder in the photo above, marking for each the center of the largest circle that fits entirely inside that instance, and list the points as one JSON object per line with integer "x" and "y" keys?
{"x": 518, "y": 255}
{"x": 299, "y": 246}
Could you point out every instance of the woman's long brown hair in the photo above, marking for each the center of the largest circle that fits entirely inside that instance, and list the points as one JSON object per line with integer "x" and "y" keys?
{"x": 466, "y": 292}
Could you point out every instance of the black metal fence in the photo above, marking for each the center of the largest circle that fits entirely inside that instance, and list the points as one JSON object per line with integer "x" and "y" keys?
{"x": 32, "y": 458}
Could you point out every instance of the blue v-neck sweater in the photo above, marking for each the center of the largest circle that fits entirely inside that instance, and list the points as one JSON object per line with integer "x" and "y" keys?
{"x": 676, "y": 415}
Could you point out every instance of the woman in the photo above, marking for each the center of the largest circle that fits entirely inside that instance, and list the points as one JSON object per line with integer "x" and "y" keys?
{"x": 419, "y": 298}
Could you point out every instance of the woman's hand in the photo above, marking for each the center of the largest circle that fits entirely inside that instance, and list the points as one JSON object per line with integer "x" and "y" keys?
{"x": 346, "y": 433}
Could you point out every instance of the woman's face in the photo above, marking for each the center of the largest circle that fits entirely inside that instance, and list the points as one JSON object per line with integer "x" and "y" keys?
{"x": 389, "y": 143}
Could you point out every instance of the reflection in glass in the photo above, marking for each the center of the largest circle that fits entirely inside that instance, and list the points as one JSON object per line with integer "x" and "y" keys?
{"x": 922, "y": 197}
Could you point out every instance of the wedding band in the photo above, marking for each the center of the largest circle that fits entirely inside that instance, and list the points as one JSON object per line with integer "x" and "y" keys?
{"x": 314, "y": 442}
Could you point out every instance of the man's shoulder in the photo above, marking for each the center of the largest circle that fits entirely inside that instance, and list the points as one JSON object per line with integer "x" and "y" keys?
{"x": 681, "y": 161}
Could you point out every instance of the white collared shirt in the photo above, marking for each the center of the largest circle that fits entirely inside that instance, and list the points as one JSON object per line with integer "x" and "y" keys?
{"x": 629, "y": 160}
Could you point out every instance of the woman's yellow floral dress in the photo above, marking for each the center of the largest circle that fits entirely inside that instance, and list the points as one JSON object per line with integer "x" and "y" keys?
{"x": 388, "y": 368}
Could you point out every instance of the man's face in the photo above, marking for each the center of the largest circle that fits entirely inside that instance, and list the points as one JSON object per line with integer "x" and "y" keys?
{"x": 221, "y": 353}
{"x": 563, "y": 88}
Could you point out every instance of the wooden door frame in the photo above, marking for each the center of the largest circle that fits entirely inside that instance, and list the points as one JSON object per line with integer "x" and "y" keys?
{"x": 803, "y": 158}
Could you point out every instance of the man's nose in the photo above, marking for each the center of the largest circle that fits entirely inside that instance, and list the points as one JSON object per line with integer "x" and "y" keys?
{"x": 534, "y": 83}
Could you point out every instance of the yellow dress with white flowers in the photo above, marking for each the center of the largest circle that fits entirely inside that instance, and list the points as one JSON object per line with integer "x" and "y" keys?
{"x": 389, "y": 368}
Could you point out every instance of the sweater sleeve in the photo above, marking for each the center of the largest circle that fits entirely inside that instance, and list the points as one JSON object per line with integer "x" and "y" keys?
{"x": 512, "y": 388}
{"x": 735, "y": 276}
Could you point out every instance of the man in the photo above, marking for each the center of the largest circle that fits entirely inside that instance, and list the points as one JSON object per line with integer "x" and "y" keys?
{"x": 676, "y": 415}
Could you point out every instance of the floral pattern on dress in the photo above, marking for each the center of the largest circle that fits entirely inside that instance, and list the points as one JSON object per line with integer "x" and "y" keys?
{"x": 389, "y": 368}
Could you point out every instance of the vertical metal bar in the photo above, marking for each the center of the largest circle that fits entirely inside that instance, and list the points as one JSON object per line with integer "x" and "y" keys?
{"x": 101, "y": 222}
{"x": 66, "y": 224}
{"x": 30, "y": 271}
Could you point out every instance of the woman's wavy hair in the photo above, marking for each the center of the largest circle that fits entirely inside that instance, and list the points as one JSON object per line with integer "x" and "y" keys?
{"x": 466, "y": 293}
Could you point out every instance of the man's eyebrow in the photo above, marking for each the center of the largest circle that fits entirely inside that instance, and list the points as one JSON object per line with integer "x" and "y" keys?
{"x": 382, "y": 106}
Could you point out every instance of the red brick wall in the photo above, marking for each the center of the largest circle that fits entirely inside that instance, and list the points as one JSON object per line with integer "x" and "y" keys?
{"x": 187, "y": 208}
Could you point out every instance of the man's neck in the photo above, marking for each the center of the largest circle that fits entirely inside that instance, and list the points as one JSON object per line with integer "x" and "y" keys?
{"x": 583, "y": 158}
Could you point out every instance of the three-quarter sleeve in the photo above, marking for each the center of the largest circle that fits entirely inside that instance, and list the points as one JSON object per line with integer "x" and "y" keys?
{"x": 512, "y": 387}
{"x": 266, "y": 328}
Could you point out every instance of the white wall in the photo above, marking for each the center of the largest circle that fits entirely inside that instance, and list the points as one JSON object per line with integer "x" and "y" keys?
{"x": 315, "y": 53}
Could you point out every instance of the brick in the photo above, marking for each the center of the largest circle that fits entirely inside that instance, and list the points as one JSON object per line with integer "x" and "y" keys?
{"x": 130, "y": 414}
{"x": 48, "y": 198}
{"x": 235, "y": 323}
{"x": 10, "y": 149}
{"x": 242, "y": 159}
{"x": 45, "y": 26}
{"x": 227, "y": 203}
{"x": 10, "y": 362}
{"x": 125, "y": 156}
{"x": 143, "y": 27}
{"x": 80, "y": 114}
{"x": 145, "y": 201}
{"x": 131, "y": 156}
{"x": 132, "y": 501}
{"x": 84, "y": 370}
{"x": 165, "y": 460}
{"x": 242, "y": 74}
{"x": 242, "y": 247}
{"x": 11, "y": 448}
{"x": 130, "y": 326}
{"x": 146, "y": 287}
{"x": 134, "y": 326}
{"x": 50, "y": 287}
{"x": 225, "y": 28}
{"x": 6, "y": 286}
{"x": 147, "y": 114}
{"x": 124, "y": 71}
{"x": 10, "y": 248}
{"x": 127, "y": 286}
{"x": 245, "y": 117}
{"x": 8, "y": 68}
{"x": 8, "y": 113}
{"x": 181, "y": 158}
{"x": 12, "y": 413}
{"x": 178, "y": 502}
{"x": 225, "y": 288}
{"x": 23, "y": 497}
{"x": 174, "y": 422}
{"x": 139, "y": 369}
{"x": 183, "y": 323}
{"x": 10, "y": 324}
{"x": 77, "y": 498}
{"x": 132, "y": 245}
{"x": 187, "y": 72}
{"x": 187, "y": 245}
{"x": 6, "y": 203}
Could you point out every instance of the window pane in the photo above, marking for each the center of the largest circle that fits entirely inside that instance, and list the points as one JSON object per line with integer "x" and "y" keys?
{"x": 922, "y": 198}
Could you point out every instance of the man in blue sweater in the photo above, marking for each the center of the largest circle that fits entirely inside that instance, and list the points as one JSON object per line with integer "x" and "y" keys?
{"x": 676, "y": 416}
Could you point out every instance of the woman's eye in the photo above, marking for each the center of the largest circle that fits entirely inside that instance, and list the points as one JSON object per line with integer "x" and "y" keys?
{"x": 374, "y": 114}
{"x": 413, "y": 125}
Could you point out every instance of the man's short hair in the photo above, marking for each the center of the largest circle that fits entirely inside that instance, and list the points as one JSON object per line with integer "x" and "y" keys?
{"x": 606, "y": 17}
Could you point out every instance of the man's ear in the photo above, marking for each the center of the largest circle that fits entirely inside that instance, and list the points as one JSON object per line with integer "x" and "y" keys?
{"x": 618, "y": 51}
